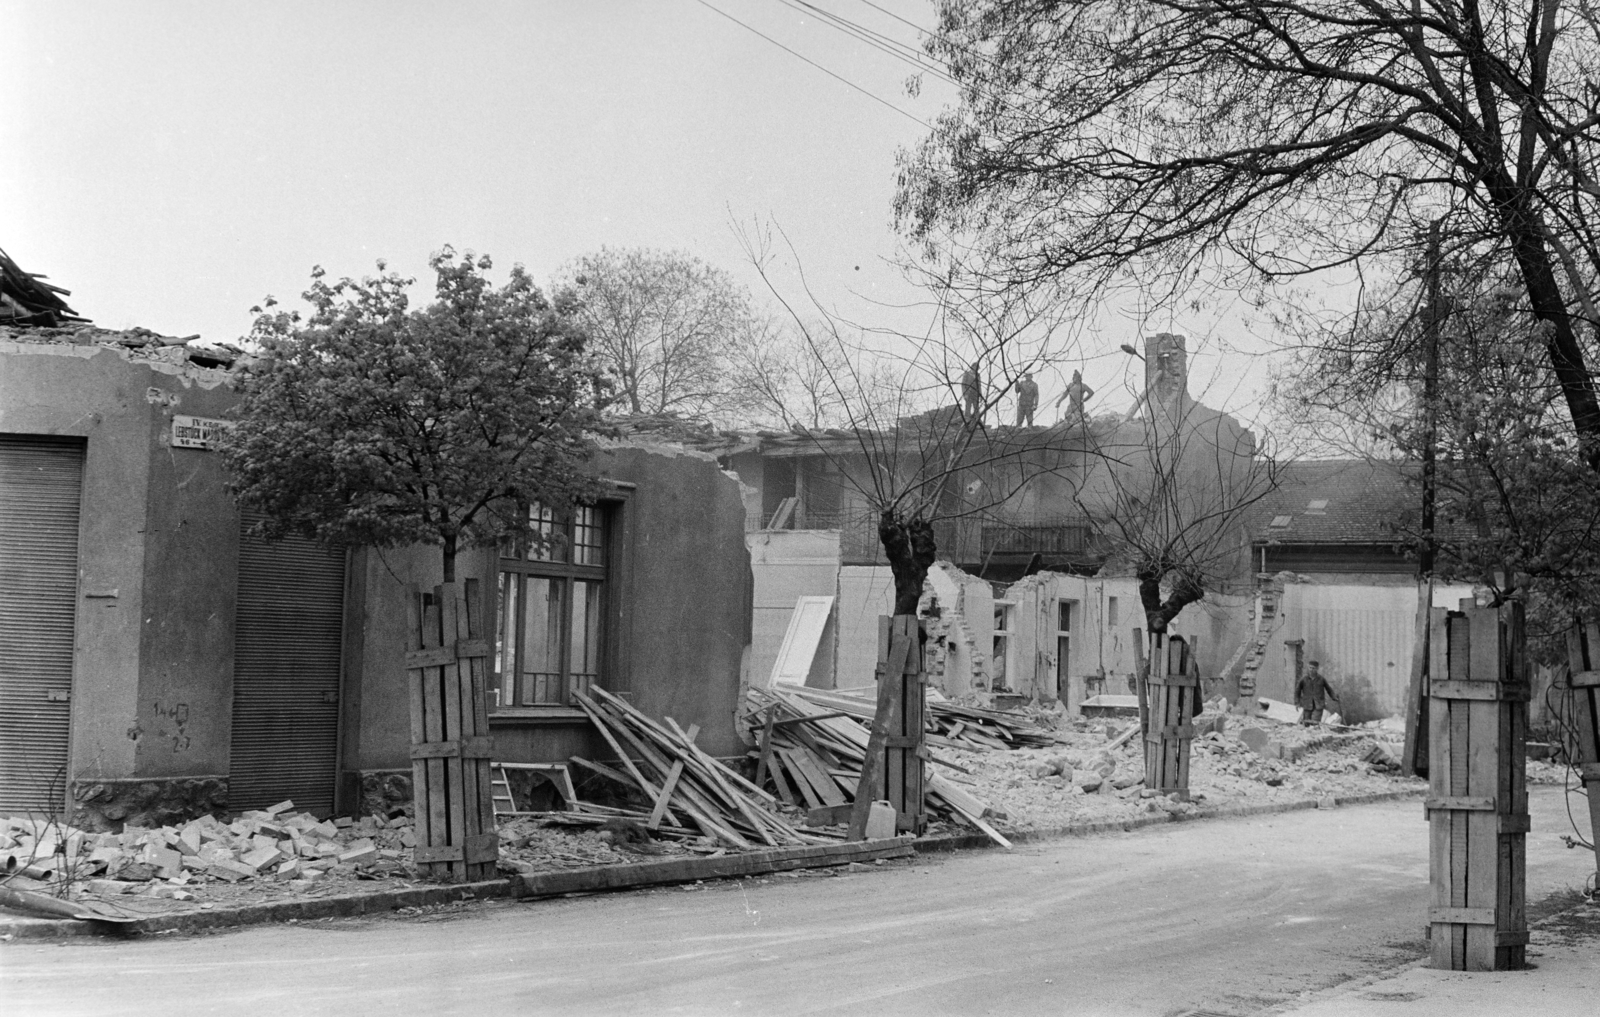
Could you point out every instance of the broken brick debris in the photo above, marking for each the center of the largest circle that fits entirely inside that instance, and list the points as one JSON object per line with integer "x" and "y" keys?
{"x": 276, "y": 844}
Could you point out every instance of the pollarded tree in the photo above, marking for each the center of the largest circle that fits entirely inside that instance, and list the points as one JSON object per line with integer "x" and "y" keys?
{"x": 1271, "y": 140}
{"x": 369, "y": 423}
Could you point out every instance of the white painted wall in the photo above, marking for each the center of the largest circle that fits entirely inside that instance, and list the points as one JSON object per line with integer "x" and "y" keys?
{"x": 865, "y": 592}
{"x": 1353, "y": 631}
{"x": 788, "y": 565}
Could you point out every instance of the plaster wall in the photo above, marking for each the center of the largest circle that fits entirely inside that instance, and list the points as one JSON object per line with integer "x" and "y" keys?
{"x": 379, "y": 703}
{"x": 191, "y": 576}
{"x": 155, "y": 599}
{"x": 865, "y": 593}
{"x": 688, "y": 590}
{"x": 681, "y": 620}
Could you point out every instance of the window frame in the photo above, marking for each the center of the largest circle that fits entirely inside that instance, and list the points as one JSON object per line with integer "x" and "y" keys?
{"x": 610, "y": 510}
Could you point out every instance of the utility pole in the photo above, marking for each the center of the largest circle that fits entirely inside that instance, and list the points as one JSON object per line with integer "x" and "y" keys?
{"x": 1414, "y": 758}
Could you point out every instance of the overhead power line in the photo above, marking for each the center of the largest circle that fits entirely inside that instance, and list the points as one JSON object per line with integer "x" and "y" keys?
{"x": 798, "y": 56}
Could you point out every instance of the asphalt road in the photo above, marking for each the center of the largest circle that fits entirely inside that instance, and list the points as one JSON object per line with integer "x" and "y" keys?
{"x": 1229, "y": 916}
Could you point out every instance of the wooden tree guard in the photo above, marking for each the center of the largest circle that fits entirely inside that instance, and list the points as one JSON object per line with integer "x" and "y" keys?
{"x": 1174, "y": 691}
{"x": 1477, "y": 795}
{"x": 893, "y": 769}
{"x": 450, "y": 741}
{"x": 1583, "y": 651}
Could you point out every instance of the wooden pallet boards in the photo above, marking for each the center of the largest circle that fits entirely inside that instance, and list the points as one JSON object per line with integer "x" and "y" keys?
{"x": 451, "y": 742}
{"x": 1477, "y": 805}
{"x": 1583, "y": 652}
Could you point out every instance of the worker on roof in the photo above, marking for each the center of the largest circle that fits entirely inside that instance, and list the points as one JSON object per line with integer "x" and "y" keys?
{"x": 1311, "y": 694}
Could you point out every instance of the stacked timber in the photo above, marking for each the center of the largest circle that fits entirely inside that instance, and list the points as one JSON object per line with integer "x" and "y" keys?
{"x": 947, "y": 723}
{"x": 691, "y": 790}
{"x": 812, "y": 756}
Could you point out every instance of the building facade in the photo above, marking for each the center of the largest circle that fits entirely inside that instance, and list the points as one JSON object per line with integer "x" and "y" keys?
{"x": 158, "y": 661}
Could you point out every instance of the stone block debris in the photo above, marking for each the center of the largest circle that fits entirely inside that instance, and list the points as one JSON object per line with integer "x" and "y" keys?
{"x": 160, "y": 862}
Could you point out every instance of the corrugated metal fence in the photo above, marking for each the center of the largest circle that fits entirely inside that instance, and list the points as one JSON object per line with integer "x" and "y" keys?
{"x": 1357, "y": 633}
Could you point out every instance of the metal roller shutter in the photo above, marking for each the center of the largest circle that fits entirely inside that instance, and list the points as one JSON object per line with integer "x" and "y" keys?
{"x": 286, "y": 665}
{"x": 41, "y": 484}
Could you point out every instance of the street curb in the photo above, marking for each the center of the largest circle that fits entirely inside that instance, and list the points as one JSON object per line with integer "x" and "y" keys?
{"x": 600, "y": 879}
{"x": 597, "y": 879}
{"x": 1089, "y": 828}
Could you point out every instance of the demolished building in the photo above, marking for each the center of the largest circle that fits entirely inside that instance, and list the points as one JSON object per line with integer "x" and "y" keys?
{"x": 1028, "y": 602}
{"x": 158, "y": 662}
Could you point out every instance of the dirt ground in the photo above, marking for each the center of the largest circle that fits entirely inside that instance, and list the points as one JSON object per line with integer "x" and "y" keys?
{"x": 1092, "y": 782}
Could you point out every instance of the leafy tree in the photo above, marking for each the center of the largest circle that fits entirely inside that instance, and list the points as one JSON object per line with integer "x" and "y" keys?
{"x": 1265, "y": 141}
{"x": 672, "y": 331}
{"x": 370, "y": 423}
{"x": 1518, "y": 509}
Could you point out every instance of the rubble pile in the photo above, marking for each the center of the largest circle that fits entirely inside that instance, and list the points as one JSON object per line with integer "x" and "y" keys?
{"x": 1098, "y": 771}
{"x": 143, "y": 343}
{"x": 528, "y": 845}
{"x": 1085, "y": 770}
{"x": 274, "y": 844}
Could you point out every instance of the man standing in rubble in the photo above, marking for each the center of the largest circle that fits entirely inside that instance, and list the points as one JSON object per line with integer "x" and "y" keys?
{"x": 1311, "y": 694}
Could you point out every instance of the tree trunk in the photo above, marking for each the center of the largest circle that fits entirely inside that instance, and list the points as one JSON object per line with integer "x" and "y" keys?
{"x": 910, "y": 548}
{"x": 1158, "y": 613}
{"x": 450, "y": 558}
{"x": 1549, "y": 304}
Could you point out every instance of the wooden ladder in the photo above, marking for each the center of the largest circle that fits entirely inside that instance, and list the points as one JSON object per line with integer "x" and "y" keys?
{"x": 504, "y": 804}
{"x": 555, "y": 773}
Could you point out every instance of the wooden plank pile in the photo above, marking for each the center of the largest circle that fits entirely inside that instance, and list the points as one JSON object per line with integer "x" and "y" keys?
{"x": 949, "y": 724}
{"x": 690, "y": 789}
{"x": 813, "y": 757}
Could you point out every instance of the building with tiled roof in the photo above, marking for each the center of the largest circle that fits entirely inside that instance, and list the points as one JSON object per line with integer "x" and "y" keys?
{"x": 1338, "y": 516}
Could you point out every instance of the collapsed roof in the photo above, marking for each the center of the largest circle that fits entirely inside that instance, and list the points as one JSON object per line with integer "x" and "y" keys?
{"x": 27, "y": 300}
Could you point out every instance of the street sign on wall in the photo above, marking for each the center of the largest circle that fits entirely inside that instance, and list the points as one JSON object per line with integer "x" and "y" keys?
{"x": 196, "y": 432}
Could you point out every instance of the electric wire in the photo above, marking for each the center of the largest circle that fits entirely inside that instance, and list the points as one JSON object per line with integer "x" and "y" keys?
{"x": 837, "y": 77}
{"x": 882, "y": 43}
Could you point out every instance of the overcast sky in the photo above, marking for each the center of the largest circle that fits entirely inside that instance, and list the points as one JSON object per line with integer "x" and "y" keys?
{"x": 173, "y": 162}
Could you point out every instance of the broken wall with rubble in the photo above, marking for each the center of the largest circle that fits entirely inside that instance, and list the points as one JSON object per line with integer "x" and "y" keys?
{"x": 152, "y": 688}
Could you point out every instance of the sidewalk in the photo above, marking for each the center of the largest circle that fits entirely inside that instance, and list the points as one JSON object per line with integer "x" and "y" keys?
{"x": 1565, "y": 979}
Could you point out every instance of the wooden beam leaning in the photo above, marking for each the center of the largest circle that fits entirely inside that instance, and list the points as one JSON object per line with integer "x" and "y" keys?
{"x": 902, "y": 639}
{"x": 660, "y": 809}
{"x": 1477, "y": 806}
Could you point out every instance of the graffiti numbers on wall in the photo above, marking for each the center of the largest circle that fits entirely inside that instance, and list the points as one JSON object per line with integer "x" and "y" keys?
{"x": 177, "y": 714}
